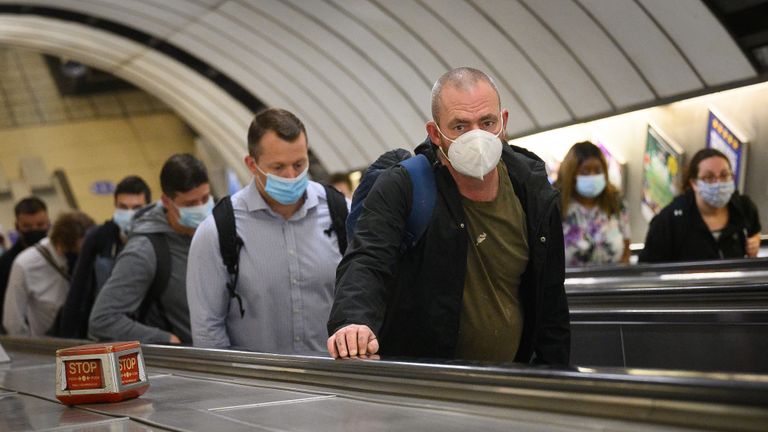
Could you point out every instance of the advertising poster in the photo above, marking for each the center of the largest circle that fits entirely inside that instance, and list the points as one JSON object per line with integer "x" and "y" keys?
{"x": 662, "y": 165}
{"x": 723, "y": 138}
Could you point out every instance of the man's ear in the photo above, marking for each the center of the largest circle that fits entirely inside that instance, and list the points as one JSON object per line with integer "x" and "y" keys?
{"x": 432, "y": 132}
{"x": 167, "y": 202}
{"x": 250, "y": 163}
{"x": 505, "y": 125}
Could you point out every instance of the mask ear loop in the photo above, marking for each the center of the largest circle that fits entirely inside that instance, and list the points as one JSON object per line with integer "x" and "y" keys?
{"x": 497, "y": 134}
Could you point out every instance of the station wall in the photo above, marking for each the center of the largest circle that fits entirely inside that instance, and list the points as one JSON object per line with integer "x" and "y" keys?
{"x": 683, "y": 122}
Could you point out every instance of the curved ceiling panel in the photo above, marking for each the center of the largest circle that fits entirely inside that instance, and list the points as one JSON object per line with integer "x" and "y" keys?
{"x": 359, "y": 73}
{"x": 513, "y": 71}
{"x": 577, "y": 90}
{"x": 620, "y": 82}
{"x": 204, "y": 106}
{"x": 698, "y": 34}
{"x": 643, "y": 44}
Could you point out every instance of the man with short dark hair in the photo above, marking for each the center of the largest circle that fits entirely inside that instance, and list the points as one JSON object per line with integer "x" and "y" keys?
{"x": 486, "y": 279}
{"x": 290, "y": 250}
{"x": 145, "y": 298}
{"x": 97, "y": 257}
{"x": 32, "y": 224}
{"x": 39, "y": 280}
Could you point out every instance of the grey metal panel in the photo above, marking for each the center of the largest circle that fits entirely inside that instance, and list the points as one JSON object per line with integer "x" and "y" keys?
{"x": 350, "y": 88}
{"x": 391, "y": 31}
{"x": 611, "y": 69}
{"x": 257, "y": 52}
{"x": 324, "y": 415}
{"x": 198, "y": 404}
{"x": 208, "y": 3}
{"x": 187, "y": 9}
{"x": 214, "y": 114}
{"x": 354, "y": 91}
{"x": 705, "y": 42}
{"x": 733, "y": 348}
{"x": 376, "y": 59}
{"x": 647, "y": 47}
{"x": 342, "y": 51}
{"x": 400, "y": 75}
{"x": 202, "y": 41}
{"x": 38, "y": 380}
{"x": 460, "y": 392}
{"x": 157, "y": 22}
{"x": 25, "y": 413}
{"x": 595, "y": 344}
{"x": 574, "y": 85}
{"x": 506, "y": 63}
{"x": 455, "y": 52}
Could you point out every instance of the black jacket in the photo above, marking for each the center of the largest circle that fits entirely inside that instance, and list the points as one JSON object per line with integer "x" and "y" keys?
{"x": 6, "y": 262}
{"x": 678, "y": 233}
{"x": 412, "y": 300}
{"x": 94, "y": 265}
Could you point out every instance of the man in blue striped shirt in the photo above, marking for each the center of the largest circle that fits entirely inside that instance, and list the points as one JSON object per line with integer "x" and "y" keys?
{"x": 289, "y": 258}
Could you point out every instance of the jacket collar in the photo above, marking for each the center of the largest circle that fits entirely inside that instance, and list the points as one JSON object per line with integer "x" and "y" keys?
{"x": 526, "y": 171}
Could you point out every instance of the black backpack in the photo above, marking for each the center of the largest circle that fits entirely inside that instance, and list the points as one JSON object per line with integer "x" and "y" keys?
{"x": 79, "y": 329}
{"x": 230, "y": 243}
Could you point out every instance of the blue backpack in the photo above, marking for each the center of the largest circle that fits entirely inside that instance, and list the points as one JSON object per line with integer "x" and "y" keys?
{"x": 424, "y": 192}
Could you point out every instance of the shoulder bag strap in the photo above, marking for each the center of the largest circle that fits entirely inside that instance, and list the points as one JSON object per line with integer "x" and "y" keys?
{"x": 49, "y": 259}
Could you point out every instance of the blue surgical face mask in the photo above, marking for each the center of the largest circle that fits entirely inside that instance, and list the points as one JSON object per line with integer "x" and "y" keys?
{"x": 286, "y": 190}
{"x": 193, "y": 216}
{"x": 590, "y": 186}
{"x": 122, "y": 218}
{"x": 716, "y": 194}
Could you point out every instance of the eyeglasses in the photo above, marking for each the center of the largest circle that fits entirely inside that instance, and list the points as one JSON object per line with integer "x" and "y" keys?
{"x": 711, "y": 178}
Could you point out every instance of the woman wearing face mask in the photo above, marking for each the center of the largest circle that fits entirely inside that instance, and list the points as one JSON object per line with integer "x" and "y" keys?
{"x": 710, "y": 220}
{"x": 595, "y": 221}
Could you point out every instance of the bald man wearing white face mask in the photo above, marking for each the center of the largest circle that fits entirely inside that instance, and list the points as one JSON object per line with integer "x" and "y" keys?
{"x": 485, "y": 280}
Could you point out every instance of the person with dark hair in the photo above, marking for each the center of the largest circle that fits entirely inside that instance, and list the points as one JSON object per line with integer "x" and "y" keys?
{"x": 342, "y": 183}
{"x": 40, "y": 276}
{"x": 145, "y": 296}
{"x": 32, "y": 224}
{"x": 595, "y": 220}
{"x": 97, "y": 257}
{"x": 281, "y": 296}
{"x": 485, "y": 281}
{"x": 710, "y": 220}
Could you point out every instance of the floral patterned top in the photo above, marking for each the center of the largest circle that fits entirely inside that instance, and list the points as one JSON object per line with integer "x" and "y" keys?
{"x": 592, "y": 237}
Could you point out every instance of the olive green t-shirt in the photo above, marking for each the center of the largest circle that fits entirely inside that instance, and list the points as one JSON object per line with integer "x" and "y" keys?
{"x": 491, "y": 319}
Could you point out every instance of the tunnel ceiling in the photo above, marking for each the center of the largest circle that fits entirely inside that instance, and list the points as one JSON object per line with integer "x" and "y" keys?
{"x": 359, "y": 73}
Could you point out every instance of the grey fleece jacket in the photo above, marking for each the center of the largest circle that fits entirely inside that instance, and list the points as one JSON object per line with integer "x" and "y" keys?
{"x": 112, "y": 316}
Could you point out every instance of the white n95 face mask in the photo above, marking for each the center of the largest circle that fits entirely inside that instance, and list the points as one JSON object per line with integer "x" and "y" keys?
{"x": 474, "y": 153}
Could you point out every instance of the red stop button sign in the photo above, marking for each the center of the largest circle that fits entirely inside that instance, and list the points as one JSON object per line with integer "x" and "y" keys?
{"x": 129, "y": 368}
{"x": 84, "y": 374}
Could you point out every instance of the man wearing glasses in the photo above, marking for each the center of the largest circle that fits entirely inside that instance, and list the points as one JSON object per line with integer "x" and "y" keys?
{"x": 485, "y": 280}
{"x": 710, "y": 220}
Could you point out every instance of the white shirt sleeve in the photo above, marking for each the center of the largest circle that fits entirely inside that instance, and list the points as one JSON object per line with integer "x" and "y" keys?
{"x": 207, "y": 293}
{"x": 16, "y": 303}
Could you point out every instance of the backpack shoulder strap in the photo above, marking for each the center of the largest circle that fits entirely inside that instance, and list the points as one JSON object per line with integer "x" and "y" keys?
{"x": 424, "y": 196}
{"x": 229, "y": 245}
{"x": 337, "y": 207}
{"x": 162, "y": 276}
{"x": 49, "y": 259}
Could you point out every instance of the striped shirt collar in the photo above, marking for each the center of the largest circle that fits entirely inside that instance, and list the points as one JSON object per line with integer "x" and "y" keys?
{"x": 253, "y": 201}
